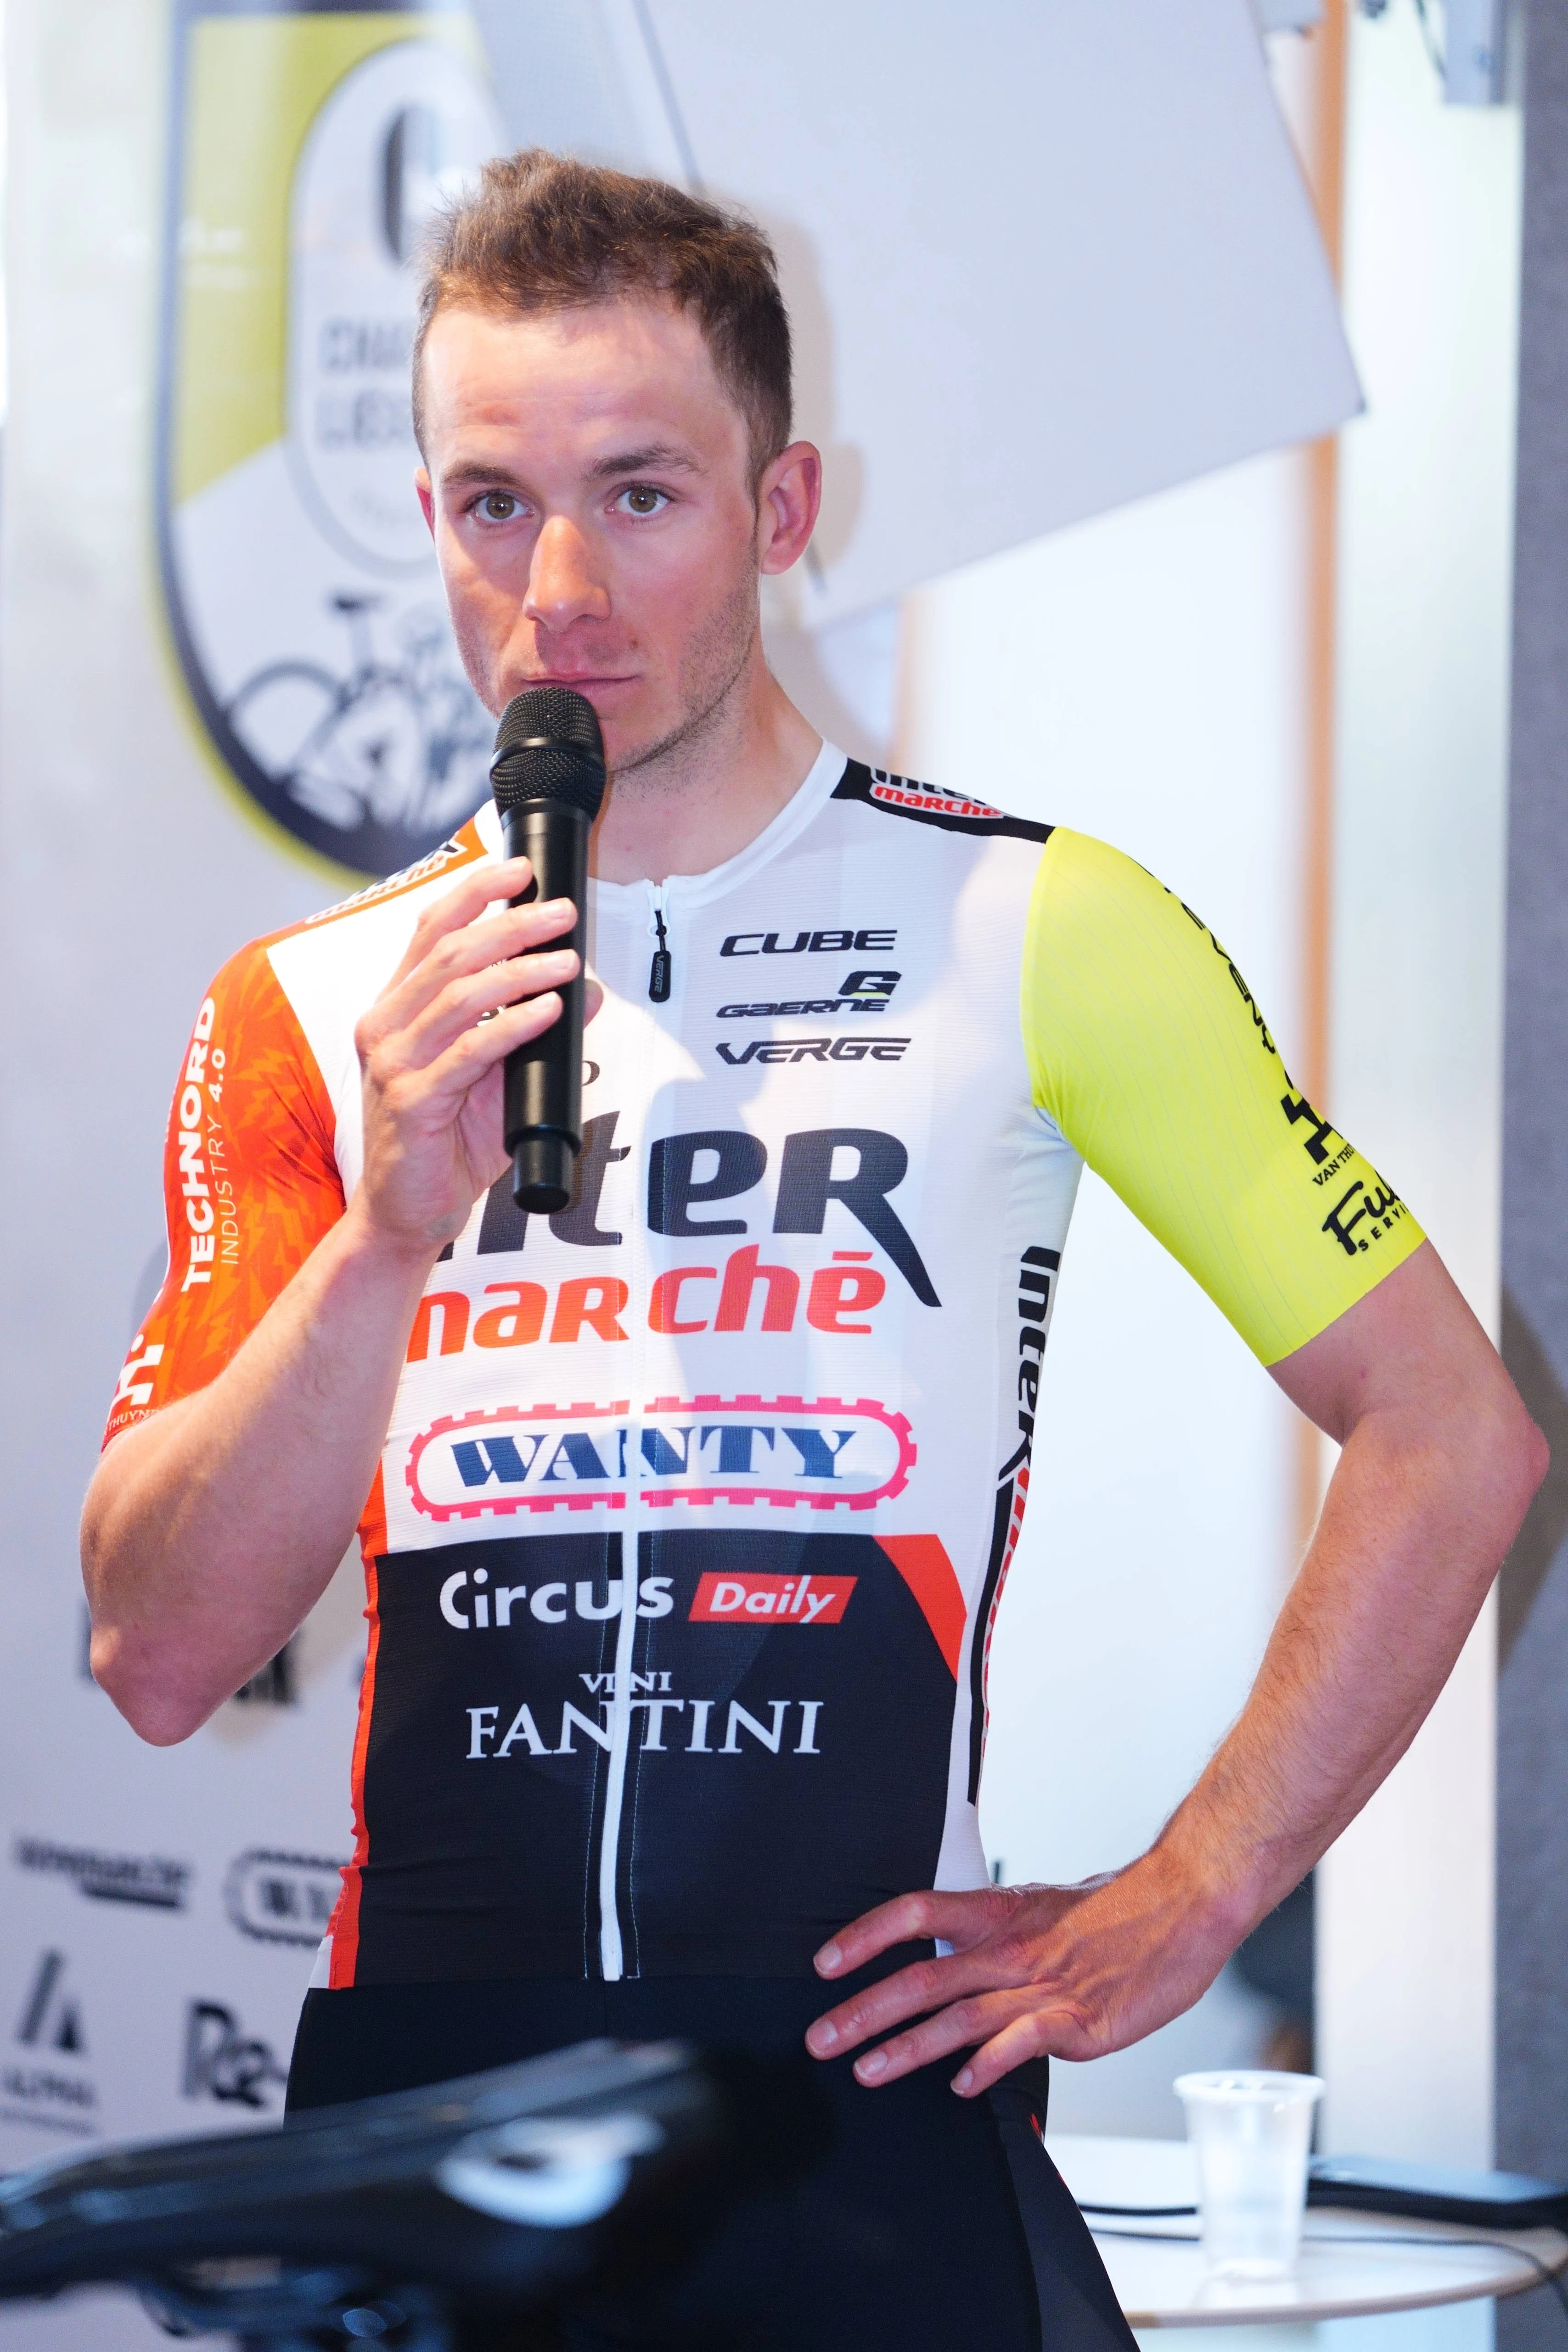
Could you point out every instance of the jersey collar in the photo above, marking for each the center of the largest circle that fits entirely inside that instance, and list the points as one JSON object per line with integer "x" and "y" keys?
{"x": 697, "y": 889}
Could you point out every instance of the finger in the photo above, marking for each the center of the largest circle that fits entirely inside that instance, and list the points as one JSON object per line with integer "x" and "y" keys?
{"x": 914, "y": 1991}
{"x": 436, "y": 1091}
{"x": 439, "y": 936}
{"x": 961, "y": 2027}
{"x": 517, "y": 931}
{"x": 480, "y": 998}
{"x": 1038, "y": 2033}
{"x": 461, "y": 906}
{"x": 959, "y": 1919}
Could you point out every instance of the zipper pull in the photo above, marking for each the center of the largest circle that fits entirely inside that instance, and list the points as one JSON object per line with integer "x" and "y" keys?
{"x": 659, "y": 970}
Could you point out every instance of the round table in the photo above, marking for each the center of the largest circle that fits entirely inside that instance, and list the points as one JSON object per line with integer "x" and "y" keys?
{"x": 1351, "y": 2263}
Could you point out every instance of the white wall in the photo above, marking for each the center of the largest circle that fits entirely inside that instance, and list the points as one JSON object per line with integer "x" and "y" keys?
{"x": 1404, "y": 1957}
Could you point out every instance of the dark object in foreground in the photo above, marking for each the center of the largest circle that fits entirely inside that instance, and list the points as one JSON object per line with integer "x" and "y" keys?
{"x": 428, "y": 2220}
{"x": 548, "y": 776}
{"x": 1438, "y": 2193}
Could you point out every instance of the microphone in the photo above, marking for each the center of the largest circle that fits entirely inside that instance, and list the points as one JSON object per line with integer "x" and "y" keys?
{"x": 548, "y": 776}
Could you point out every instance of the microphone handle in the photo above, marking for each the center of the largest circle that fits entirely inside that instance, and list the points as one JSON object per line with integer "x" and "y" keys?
{"x": 543, "y": 1088}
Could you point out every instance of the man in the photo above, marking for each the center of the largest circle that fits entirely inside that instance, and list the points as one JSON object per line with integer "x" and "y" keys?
{"x": 690, "y": 1508}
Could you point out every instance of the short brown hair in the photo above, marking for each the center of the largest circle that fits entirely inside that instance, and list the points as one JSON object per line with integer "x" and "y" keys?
{"x": 543, "y": 232}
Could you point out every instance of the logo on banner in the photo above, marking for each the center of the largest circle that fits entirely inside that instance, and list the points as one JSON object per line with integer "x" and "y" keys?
{"x": 149, "y": 1879}
{"x": 223, "y": 2061}
{"x": 301, "y": 586}
{"x": 47, "y": 2083}
{"x": 702, "y": 1450}
{"x": 281, "y": 1898}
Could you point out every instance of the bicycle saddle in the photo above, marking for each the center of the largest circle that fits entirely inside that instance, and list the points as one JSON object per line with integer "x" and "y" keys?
{"x": 390, "y": 2218}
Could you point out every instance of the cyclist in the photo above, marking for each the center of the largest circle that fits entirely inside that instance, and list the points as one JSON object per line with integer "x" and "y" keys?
{"x": 686, "y": 1512}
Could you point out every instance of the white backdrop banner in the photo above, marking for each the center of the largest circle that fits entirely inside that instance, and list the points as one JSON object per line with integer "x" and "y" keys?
{"x": 229, "y": 692}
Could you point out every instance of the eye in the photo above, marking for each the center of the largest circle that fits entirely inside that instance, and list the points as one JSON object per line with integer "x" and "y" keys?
{"x": 641, "y": 498}
{"x": 497, "y": 506}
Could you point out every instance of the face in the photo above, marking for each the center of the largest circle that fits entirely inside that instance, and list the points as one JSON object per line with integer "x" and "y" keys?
{"x": 588, "y": 485}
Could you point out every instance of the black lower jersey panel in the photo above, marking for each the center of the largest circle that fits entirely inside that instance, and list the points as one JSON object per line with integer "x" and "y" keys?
{"x": 929, "y": 2224}
{"x": 785, "y": 1772}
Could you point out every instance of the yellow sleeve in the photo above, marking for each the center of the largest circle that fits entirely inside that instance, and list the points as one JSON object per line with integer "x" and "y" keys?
{"x": 1147, "y": 1051}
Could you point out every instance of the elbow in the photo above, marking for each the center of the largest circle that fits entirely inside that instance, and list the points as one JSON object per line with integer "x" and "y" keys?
{"x": 146, "y": 1693}
{"x": 1535, "y": 1459}
{"x": 1520, "y": 1458}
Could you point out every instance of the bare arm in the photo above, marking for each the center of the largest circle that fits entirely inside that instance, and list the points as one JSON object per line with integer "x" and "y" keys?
{"x": 1439, "y": 1463}
{"x": 211, "y": 1529}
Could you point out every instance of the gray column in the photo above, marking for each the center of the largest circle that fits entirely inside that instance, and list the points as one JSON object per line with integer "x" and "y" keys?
{"x": 1532, "y": 1728}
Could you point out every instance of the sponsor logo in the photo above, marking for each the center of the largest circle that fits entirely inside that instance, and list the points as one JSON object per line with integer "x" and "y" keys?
{"x": 424, "y": 869}
{"x": 897, "y": 792}
{"x": 856, "y": 1167}
{"x": 823, "y": 1452}
{"x": 51, "y": 2015}
{"x": 468, "y": 1604}
{"x": 515, "y": 1314}
{"x": 847, "y": 942}
{"x": 1379, "y": 1210}
{"x": 49, "y": 2086}
{"x": 223, "y": 2061}
{"x": 1329, "y": 1152}
{"x": 273, "y": 1685}
{"x": 281, "y": 1898}
{"x": 814, "y": 1049}
{"x": 862, "y": 992}
{"x": 209, "y": 1234}
{"x": 151, "y": 1880}
{"x": 1037, "y": 1283}
{"x": 662, "y": 1721}
{"x": 1244, "y": 994}
{"x": 302, "y": 593}
{"x": 793, "y": 1599}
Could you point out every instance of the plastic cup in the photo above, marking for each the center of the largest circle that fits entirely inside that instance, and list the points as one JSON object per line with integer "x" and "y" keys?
{"x": 1250, "y": 2134}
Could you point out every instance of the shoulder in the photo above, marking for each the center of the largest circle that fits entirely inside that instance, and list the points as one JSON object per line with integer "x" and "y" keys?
{"x": 463, "y": 849}
{"x": 1091, "y": 902}
{"x": 354, "y": 929}
{"x": 905, "y": 801}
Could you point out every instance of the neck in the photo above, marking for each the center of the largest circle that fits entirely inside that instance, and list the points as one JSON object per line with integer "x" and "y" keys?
{"x": 700, "y": 801}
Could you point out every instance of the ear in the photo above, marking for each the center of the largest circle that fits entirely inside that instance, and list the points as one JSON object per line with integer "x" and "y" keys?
{"x": 789, "y": 499}
{"x": 427, "y": 499}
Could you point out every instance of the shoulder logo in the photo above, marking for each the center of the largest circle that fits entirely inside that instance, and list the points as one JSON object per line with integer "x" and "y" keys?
{"x": 897, "y": 792}
{"x": 301, "y": 590}
{"x": 901, "y": 796}
{"x": 451, "y": 852}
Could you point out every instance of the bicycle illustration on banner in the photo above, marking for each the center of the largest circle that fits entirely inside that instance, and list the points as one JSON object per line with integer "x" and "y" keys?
{"x": 390, "y": 742}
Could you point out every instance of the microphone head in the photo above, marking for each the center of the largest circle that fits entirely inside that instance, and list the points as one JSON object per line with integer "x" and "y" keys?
{"x": 548, "y": 747}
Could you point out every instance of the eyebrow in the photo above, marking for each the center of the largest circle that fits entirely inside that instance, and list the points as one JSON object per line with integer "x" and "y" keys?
{"x": 658, "y": 456}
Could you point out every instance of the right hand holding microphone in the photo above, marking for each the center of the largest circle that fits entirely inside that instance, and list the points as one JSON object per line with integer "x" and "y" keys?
{"x": 473, "y": 985}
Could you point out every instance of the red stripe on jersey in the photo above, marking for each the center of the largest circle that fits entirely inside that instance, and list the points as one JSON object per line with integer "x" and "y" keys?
{"x": 345, "y": 1927}
{"x": 923, "y": 1564}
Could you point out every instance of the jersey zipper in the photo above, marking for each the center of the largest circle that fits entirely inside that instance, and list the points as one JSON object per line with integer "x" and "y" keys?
{"x": 612, "y": 1943}
{"x": 661, "y": 970}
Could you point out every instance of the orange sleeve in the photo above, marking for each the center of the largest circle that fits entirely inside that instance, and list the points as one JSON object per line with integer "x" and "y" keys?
{"x": 250, "y": 1184}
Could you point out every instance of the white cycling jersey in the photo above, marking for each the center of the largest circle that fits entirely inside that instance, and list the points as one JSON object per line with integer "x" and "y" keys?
{"x": 698, "y": 1497}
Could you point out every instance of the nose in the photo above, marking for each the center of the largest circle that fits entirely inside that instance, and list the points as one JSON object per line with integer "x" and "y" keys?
{"x": 562, "y": 587}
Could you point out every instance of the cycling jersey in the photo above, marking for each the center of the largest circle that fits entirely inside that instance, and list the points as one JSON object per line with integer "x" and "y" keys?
{"x": 698, "y": 1497}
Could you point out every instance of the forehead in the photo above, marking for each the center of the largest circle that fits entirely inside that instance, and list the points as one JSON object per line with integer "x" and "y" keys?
{"x": 575, "y": 381}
